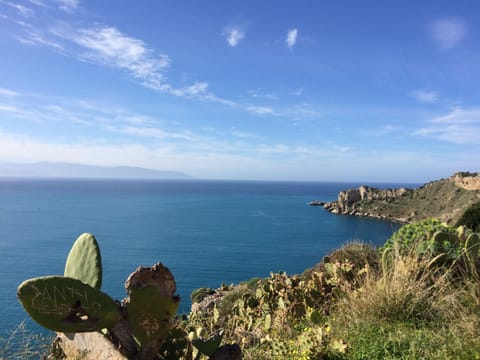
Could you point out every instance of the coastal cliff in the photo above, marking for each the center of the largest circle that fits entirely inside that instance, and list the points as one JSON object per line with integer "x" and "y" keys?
{"x": 445, "y": 199}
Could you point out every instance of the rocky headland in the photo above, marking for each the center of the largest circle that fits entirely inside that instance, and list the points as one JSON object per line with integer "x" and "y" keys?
{"x": 445, "y": 199}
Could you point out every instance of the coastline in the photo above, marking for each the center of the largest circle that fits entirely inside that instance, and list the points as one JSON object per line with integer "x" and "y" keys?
{"x": 445, "y": 199}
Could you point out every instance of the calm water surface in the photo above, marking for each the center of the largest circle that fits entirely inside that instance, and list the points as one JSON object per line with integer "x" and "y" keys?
{"x": 206, "y": 232}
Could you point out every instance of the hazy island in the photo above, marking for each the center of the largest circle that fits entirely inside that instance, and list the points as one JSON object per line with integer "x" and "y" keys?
{"x": 81, "y": 171}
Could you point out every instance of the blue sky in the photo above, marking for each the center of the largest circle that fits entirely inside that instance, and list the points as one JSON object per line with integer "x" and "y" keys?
{"x": 305, "y": 90}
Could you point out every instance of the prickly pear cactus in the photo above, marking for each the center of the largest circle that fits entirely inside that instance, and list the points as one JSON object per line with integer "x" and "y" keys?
{"x": 442, "y": 242}
{"x": 151, "y": 306}
{"x": 84, "y": 261}
{"x": 150, "y": 316}
{"x": 208, "y": 346}
{"x": 67, "y": 305}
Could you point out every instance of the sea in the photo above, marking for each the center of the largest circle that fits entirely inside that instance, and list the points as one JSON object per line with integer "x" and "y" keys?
{"x": 206, "y": 232}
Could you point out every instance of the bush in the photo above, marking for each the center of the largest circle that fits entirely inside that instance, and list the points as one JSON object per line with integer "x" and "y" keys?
{"x": 199, "y": 294}
{"x": 359, "y": 254}
{"x": 471, "y": 217}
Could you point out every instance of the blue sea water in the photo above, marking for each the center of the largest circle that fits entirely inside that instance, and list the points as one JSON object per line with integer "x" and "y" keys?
{"x": 206, "y": 232}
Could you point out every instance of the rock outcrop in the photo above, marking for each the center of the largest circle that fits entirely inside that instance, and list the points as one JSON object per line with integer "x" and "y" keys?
{"x": 445, "y": 199}
{"x": 348, "y": 200}
{"x": 467, "y": 181}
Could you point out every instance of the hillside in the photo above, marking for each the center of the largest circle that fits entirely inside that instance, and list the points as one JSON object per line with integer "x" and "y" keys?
{"x": 445, "y": 199}
{"x": 71, "y": 170}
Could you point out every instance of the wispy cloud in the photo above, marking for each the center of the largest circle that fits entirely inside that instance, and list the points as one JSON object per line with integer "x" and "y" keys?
{"x": 8, "y": 92}
{"x": 291, "y": 38}
{"x": 109, "y": 46}
{"x": 38, "y": 3}
{"x": 31, "y": 37}
{"x": 234, "y": 35}
{"x": 68, "y": 5}
{"x": 22, "y": 9}
{"x": 425, "y": 96}
{"x": 304, "y": 111}
{"x": 198, "y": 88}
{"x": 152, "y": 132}
{"x": 81, "y": 115}
{"x": 448, "y": 33}
{"x": 11, "y": 109}
{"x": 258, "y": 93}
{"x": 261, "y": 110}
{"x": 460, "y": 126}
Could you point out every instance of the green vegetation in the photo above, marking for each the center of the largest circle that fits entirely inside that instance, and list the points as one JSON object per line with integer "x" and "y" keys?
{"x": 84, "y": 262}
{"x": 199, "y": 294}
{"x": 359, "y": 303}
{"x": 417, "y": 297}
{"x": 471, "y": 217}
{"x": 441, "y": 199}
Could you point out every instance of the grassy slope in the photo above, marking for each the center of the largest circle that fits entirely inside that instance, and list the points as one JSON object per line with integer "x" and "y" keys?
{"x": 353, "y": 307}
{"x": 439, "y": 199}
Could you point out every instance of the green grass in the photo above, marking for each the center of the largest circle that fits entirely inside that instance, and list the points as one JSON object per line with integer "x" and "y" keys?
{"x": 400, "y": 340}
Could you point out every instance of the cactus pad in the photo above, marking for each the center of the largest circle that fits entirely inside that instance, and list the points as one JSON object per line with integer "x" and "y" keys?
{"x": 208, "y": 346}
{"x": 441, "y": 241}
{"x": 84, "y": 261}
{"x": 150, "y": 315}
{"x": 151, "y": 306}
{"x": 67, "y": 305}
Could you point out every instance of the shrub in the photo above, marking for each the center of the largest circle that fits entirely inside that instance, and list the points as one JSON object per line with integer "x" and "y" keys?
{"x": 357, "y": 253}
{"x": 199, "y": 294}
{"x": 471, "y": 217}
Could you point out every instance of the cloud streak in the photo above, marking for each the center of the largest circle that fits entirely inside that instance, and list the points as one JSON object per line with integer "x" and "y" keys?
{"x": 21, "y": 9}
{"x": 8, "y": 92}
{"x": 261, "y": 110}
{"x": 109, "y": 46}
{"x": 460, "y": 127}
{"x": 68, "y": 5}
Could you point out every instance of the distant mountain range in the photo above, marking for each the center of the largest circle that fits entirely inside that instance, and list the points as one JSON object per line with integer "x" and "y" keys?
{"x": 68, "y": 170}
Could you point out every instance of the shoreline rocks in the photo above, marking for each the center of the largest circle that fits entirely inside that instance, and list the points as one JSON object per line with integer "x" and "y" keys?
{"x": 445, "y": 199}
{"x": 316, "y": 203}
{"x": 348, "y": 200}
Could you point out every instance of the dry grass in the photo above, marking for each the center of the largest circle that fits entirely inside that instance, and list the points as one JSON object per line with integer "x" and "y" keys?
{"x": 412, "y": 308}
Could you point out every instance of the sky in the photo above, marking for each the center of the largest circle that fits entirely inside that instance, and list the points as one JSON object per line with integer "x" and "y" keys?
{"x": 380, "y": 91}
